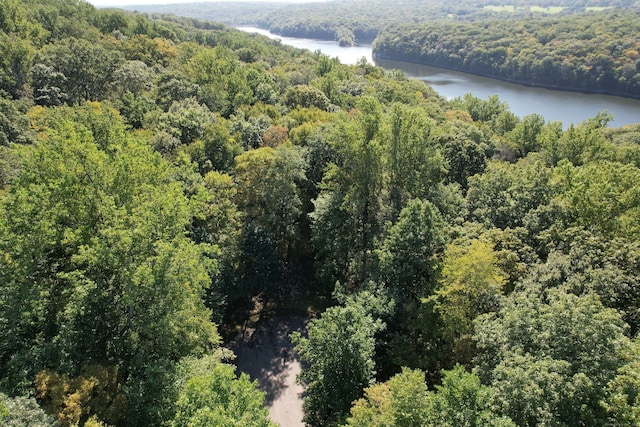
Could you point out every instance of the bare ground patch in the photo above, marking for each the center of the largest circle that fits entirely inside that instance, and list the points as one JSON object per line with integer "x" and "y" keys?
{"x": 265, "y": 352}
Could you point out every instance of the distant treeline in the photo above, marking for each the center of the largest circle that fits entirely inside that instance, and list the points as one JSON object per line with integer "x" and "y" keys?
{"x": 596, "y": 52}
{"x": 360, "y": 21}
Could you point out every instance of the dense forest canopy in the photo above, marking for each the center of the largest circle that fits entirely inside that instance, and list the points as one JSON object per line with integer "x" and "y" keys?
{"x": 467, "y": 266}
{"x": 360, "y": 21}
{"x": 595, "y": 51}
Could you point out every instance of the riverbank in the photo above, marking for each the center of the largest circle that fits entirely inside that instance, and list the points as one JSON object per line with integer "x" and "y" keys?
{"x": 552, "y": 104}
{"x": 507, "y": 80}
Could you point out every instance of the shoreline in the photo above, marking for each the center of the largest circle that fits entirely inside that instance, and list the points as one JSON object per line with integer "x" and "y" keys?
{"x": 507, "y": 80}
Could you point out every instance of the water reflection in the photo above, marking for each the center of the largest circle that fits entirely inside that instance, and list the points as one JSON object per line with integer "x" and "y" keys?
{"x": 554, "y": 105}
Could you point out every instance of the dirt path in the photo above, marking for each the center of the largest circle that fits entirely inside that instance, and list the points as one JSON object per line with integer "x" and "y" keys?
{"x": 265, "y": 352}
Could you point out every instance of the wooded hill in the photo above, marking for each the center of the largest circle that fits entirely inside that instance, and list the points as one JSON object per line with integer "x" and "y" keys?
{"x": 594, "y": 52}
{"x": 359, "y": 21}
{"x": 155, "y": 175}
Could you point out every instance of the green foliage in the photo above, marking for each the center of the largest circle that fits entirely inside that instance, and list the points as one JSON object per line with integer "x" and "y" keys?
{"x": 622, "y": 401}
{"x": 80, "y": 70}
{"x": 549, "y": 357}
{"x": 14, "y": 124}
{"x": 124, "y": 232}
{"x": 415, "y": 163}
{"x": 470, "y": 285}
{"x": 548, "y": 51}
{"x": 215, "y": 396}
{"x": 506, "y": 193}
{"x": 465, "y": 151}
{"x": 93, "y": 227}
{"x": 185, "y": 120}
{"x": 602, "y": 197}
{"x": 480, "y": 110}
{"x": 268, "y": 191}
{"x": 409, "y": 256}
{"x": 462, "y": 400}
{"x": 17, "y": 56}
{"x": 401, "y": 401}
{"x": 22, "y": 411}
{"x": 338, "y": 353}
{"x": 302, "y": 96}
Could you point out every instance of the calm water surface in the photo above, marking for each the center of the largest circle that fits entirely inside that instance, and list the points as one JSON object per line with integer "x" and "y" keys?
{"x": 554, "y": 105}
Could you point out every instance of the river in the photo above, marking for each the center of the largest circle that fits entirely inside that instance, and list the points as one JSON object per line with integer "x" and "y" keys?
{"x": 554, "y": 105}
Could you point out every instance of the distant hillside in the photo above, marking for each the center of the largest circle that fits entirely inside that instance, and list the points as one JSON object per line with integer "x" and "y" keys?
{"x": 594, "y": 52}
{"x": 358, "y": 21}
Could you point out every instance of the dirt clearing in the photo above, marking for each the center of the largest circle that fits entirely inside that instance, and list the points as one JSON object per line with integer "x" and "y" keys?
{"x": 264, "y": 351}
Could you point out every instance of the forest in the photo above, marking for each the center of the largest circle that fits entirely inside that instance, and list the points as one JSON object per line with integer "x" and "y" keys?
{"x": 353, "y": 22}
{"x": 463, "y": 266}
{"x": 593, "y": 51}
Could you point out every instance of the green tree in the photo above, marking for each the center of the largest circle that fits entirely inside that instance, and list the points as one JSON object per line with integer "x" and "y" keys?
{"x": 185, "y": 120}
{"x": 464, "y": 150}
{"x": 134, "y": 77}
{"x": 409, "y": 255}
{"x": 622, "y": 400}
{"x": 414, "y": 163}
{"x": 601, "y": 197}
{"x": 505, "y": 194}
{"x": 338, "y": 356}
{"x": 268, "y": 182}
{"x": 351, "y": 198}
{"x": 96, "y": 266}
{"x": 17, "y": 56}
{"x": 524, "y": 137}
{"x": 480, "y": 110}
{"x": 549, "y": 356}
{"x": 22, "y": 411}
{"x": 399, "y": 402}
{"x": 462, "y": 400}
{"x": 471, "y": 284}
{"x": 303, "y": 96}
{"x": 86, "y": 69}
{"x": 215, "y": 396}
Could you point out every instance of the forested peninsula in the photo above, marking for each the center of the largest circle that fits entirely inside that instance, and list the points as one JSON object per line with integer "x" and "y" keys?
{"x": 165, "y": 181}
{"x": 590, "y": 52}
{"x": 359, "y": 21}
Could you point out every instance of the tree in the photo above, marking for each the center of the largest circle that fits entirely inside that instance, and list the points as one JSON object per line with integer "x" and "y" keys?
{"x": 22, "y": 411}
{"x": 303, "y": 96}
{"x": 338, "y": 353}
{"x": 524, "y": 137}
{"x": 96, "y": 267}
{"x": 17, "y": 56}
{"x": 462, "y": 400}
{"x": 185, "y": 120}
{"x": 134, "y": 77}
{"x": 549, "y": 356}
{"x": 409, "y": 256}
{"x": 399, "y": 402}
{"x": 222, "y": 79}
{"x": 95, "y": 393}
{"x": 464, "y": 151}
{"x": 354, "y": 189}
{"x": 470, "y": 285}
{"x": 414, "y": 163}
{"x": 505, "y": 194}
{"x": 601, "y": 197}
{"x": 622, "y": 400}
{"x": 480, "y": 110}
{"x": 86, "y": 69}
{"x": 211, "y": 394}
{"x": 14, "y": 123}
{"x": 268, "y": 191}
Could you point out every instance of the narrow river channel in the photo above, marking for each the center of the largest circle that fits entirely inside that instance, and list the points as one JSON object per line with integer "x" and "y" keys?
{"x": 554, "y": 105}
